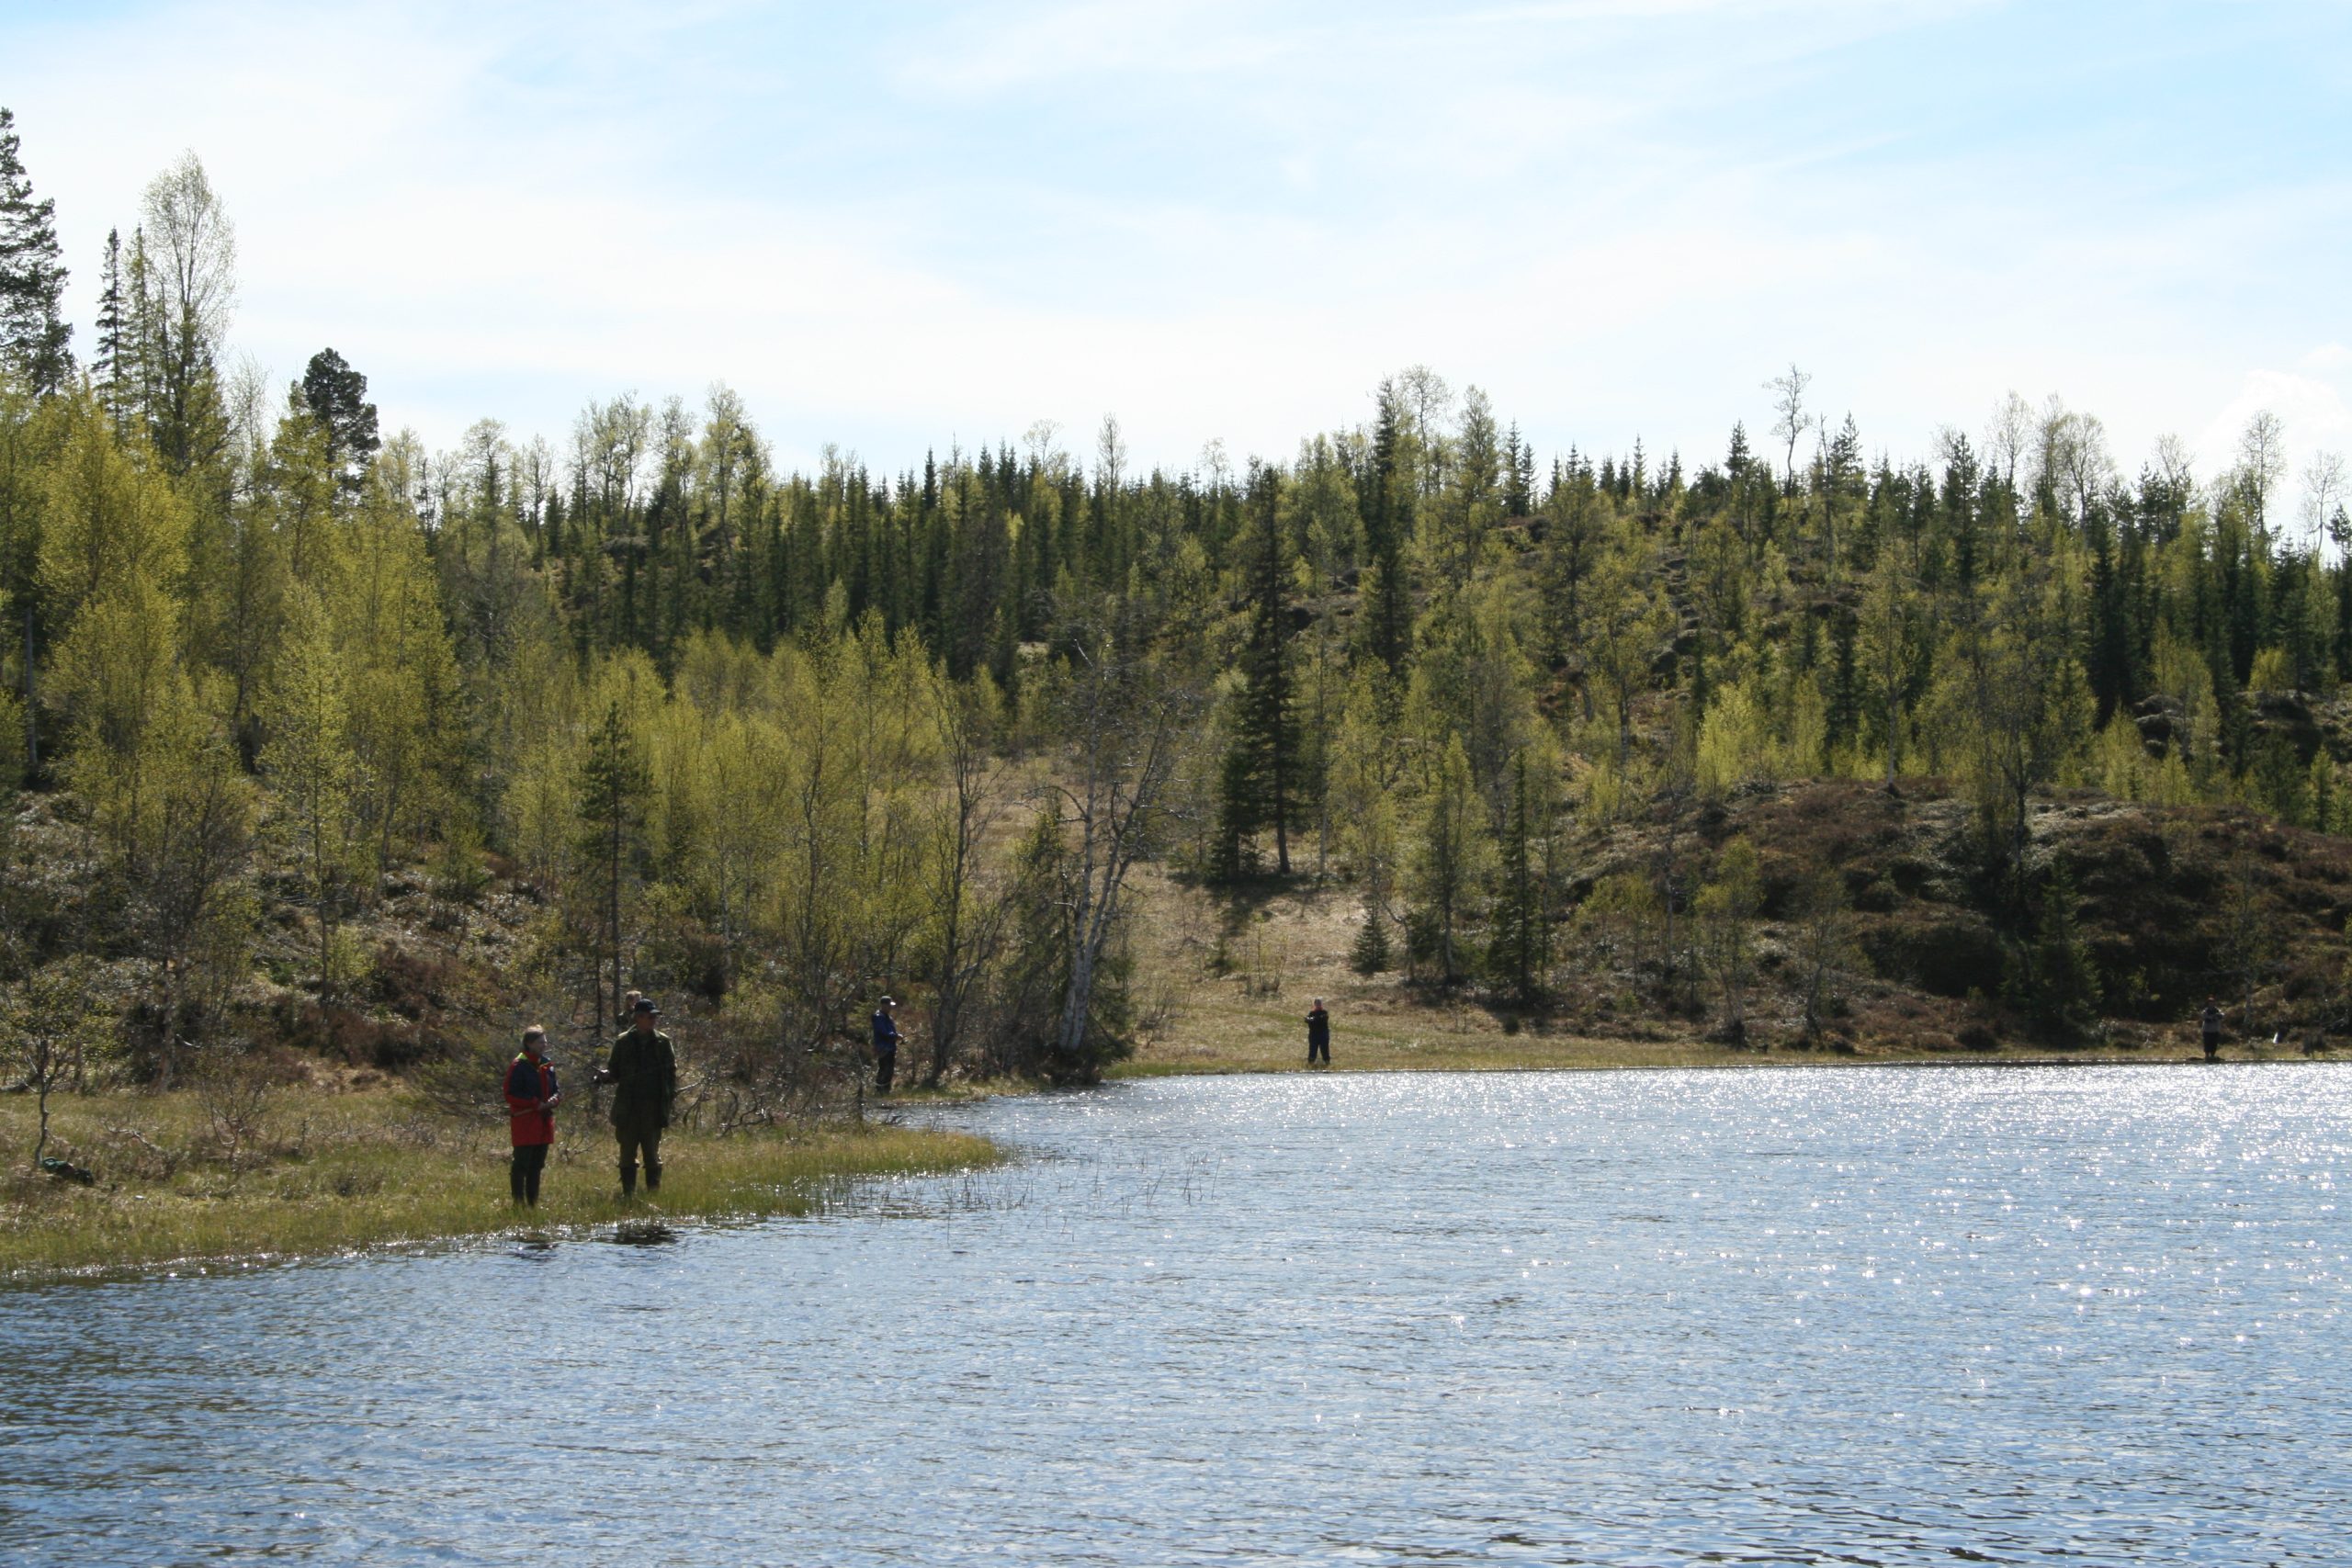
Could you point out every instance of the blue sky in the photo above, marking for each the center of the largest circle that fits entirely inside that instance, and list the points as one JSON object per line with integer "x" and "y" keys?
{"x": 891, "y": 226}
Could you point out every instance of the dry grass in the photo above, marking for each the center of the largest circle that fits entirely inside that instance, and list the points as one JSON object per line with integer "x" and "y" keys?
{"x": 1229, "y": 983}
{"x": 338, "y": 1171}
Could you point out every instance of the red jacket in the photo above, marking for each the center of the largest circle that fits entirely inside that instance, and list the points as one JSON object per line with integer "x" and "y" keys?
{"x": 528, "y": 1083}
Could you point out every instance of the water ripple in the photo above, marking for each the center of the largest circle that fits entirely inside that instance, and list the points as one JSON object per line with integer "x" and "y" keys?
{"x": 1855, "y": 1317}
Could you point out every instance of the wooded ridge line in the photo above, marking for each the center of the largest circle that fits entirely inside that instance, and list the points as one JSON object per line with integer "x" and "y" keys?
{"x": 778, "y": 741}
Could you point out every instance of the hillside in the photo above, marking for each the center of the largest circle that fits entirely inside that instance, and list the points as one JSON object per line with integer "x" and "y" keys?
{"x": 2171, "y": 903}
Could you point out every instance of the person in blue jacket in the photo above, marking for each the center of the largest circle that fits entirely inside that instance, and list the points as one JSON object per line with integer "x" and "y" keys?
{"x": 886, "y": 1045}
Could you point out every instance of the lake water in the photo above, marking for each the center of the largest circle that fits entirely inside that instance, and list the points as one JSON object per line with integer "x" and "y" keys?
{"x": 1858, "y": 1317}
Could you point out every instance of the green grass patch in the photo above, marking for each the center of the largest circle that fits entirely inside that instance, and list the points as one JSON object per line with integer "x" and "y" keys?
{"x": 327, "y": 1173}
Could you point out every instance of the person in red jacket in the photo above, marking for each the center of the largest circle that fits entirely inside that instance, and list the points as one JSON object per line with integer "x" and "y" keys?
{"x": 531, "y": 1100}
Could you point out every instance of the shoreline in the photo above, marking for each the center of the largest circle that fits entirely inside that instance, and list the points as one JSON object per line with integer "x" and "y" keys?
{"x": 344, "y": 1172}
{"x": 1254, "y": 1048}
{"x": 368, "y": 1170}
{"x": 1212, "y": 1026}
{"x": 1124, "y": 1072}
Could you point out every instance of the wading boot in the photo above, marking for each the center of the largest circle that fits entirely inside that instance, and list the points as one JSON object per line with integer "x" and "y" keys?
{"x": 514, "y": 1180}
{"x": 652, "y": 1176}
{"x": 628, "y": 1180}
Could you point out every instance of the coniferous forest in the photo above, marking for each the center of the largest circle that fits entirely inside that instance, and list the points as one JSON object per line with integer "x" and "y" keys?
{"x": 773, "y": 740}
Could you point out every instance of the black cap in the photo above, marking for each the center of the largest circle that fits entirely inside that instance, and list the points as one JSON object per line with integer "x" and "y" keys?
{"x": 645, "y": 1004}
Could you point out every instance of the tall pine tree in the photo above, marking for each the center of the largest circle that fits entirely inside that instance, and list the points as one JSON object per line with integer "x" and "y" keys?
{"x": 337, "y": 396}
{"x": 107, "y": 365}
{"x": 35, "y": 337}
{"x": 1261, "y": 778}
{"x": 1388, "y": 495}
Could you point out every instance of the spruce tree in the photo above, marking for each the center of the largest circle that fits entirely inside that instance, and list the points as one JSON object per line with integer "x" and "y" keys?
{"x": 1450, "y": 862}
{"x": 1371, "y": 954}
{"x": 35, "y": 337}
{"x": 1260, "y": 775}
{"x": 1387, "y": 496}
{"x": 108, "y": 366}
{"x": 1522, "y": 945}
{"x": 2059, "y": 983}
{"x": 615, "y": 787}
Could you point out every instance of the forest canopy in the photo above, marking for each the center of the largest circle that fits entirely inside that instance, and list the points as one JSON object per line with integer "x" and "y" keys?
{"x": 781, "y": 738}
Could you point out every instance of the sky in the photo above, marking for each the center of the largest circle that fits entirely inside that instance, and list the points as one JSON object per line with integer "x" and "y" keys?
{"x": 892, "y": 227}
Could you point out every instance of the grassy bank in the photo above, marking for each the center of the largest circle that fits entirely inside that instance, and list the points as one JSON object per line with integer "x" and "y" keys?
{"x": 322, "y": 1170}
{"x": 1227, "y": 981}
{"x": 1220, "y": 1035}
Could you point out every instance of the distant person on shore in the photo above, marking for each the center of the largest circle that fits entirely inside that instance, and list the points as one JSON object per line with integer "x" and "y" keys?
{"x": 1319, "y": 1035}
{"x": 2209, "y": 1028}
{"x": 886, "y": 1044}
{"x": 643, "y": 1069}
{"x": 531, "y": 1100}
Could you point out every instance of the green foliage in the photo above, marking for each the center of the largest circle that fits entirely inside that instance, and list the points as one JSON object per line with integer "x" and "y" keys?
{"x": 34, "y": 334}
{"x": 1520, "y": 950}
{"x": 1446, "y": 877}
{"x": 652, "y": 671}
{"x": 1037, "y": 977}
{"x": 309, "y": 766}
{"x": 612, "y": 795}
{"x": 1371, "y": 953}
{"x": 2054, "y": 980}
{"x": 1261, "y": 784}
{"x": 337, "y": 396}
{"x": 1726, "y": 909}
{"x": 1823, "y": 952}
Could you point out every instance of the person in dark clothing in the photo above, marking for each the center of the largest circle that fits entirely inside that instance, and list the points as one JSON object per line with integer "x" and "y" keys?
{"x": 531, "y": 1099}
{"x": 643, "y": 1068}
{"x": 1318, "y": 1034}
{"x": 886, "y": 1045}
{"x": 2210, "y": 1029}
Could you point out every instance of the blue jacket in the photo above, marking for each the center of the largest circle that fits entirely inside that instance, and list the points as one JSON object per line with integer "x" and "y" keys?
{"x": 885, "y": 1030}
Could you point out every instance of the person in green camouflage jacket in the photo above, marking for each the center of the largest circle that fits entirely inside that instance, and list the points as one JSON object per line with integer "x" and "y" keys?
{"x": 643, "y": 1070}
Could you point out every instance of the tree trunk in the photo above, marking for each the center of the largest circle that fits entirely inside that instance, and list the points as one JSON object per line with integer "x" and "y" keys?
{"x": 32, "y": 712}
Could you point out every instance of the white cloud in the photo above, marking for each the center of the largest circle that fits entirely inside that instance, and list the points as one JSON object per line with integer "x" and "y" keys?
{"x": 2316, "y": 416}
{"x": 1213, "y": 219}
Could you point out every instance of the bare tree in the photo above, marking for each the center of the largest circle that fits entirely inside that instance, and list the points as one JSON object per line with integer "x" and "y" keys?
{"x": 1429, "y": 397}
{"x": 1824, "y": 946}
{"x": 2262, "y": 461}
{"x": 1110, "y": 456}
{"x": 2250, "y": 936}
{"x": 190, "y": 255}
{"x": 2324, "y": 493}
{"x": 1725, "y": 911}
{"x": 1043, "y": 439}
{"x": 2006, "y": 434}
{"x": 1129, "y": 719}
{"x": 52, "y": 1020}
{"x": 1216, "y": 464}
{"x": 1792, "y": 419}
{"x": 971, "y": 929}
{"x": 2175, "y": 464}
{"x": 2071, "y": 459}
